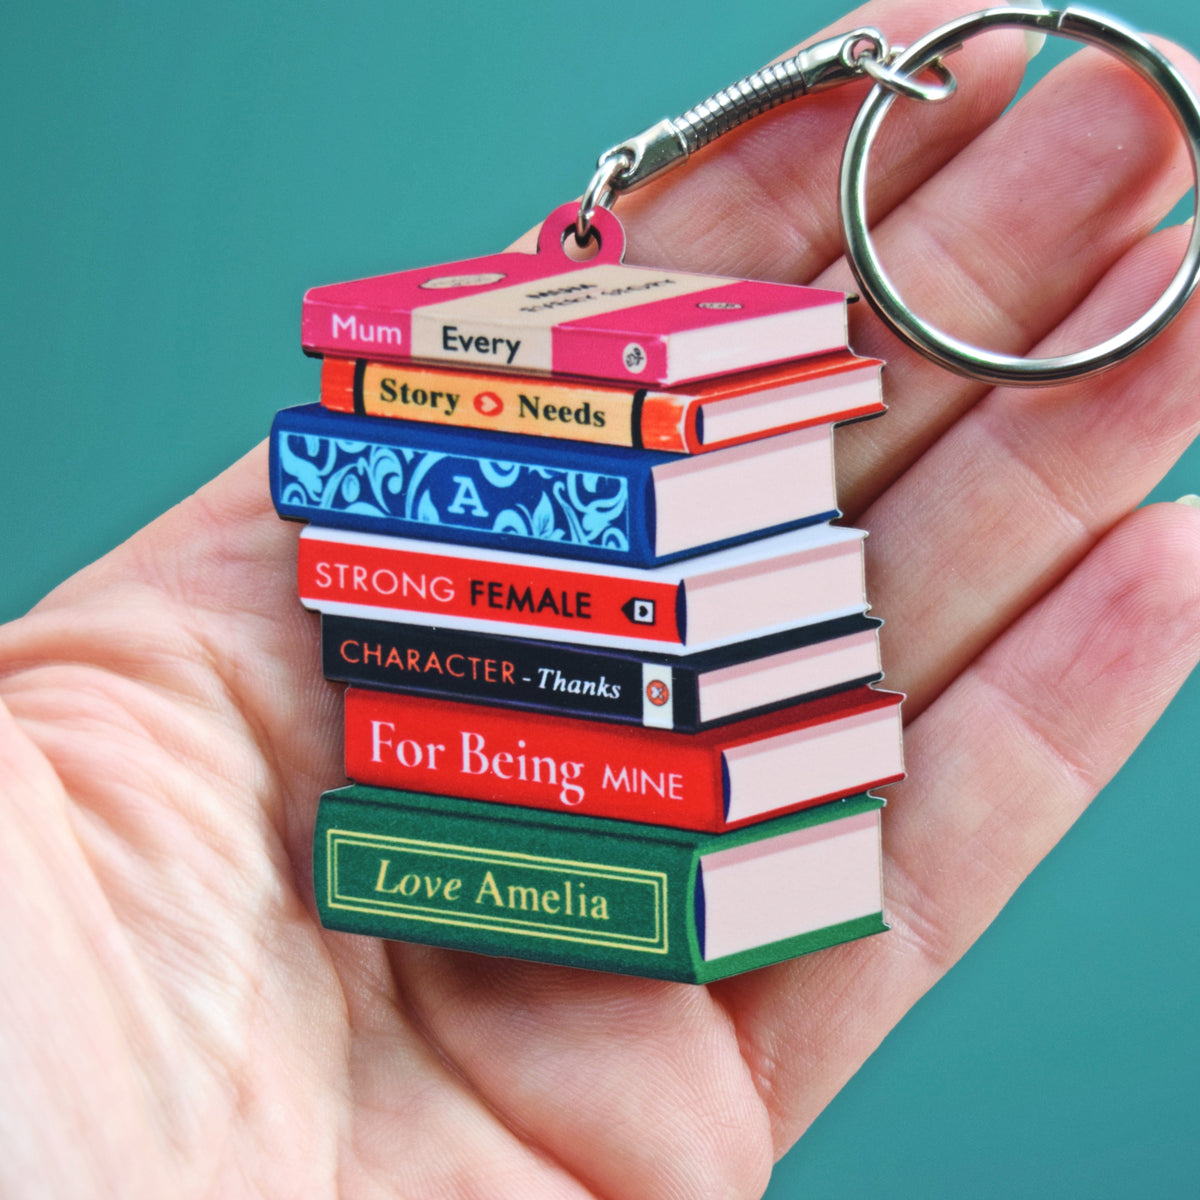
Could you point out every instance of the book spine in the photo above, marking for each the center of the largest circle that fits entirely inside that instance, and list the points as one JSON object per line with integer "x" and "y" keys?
{"x": 386, "y": 866}
{"x": 475, "y": 489}
{"x": 385, "y": 579}
{"x": 354, "y": 329}
{"x": 340, "y": 390}
{"x": 665, "y": 423}
{"x": 551, "y": 763}
{"x": 439, "y": 336}
{"x": 578, "y": 411}
{"x": 455, "y": 664}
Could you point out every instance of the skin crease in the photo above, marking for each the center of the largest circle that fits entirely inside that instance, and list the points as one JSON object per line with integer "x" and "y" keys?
{"x": 173, "y": 1017}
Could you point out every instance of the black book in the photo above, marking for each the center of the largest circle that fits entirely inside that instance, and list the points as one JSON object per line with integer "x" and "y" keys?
{"x": 662, "y": 691}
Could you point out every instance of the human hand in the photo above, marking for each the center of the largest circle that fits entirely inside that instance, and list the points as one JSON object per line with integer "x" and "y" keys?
{"x": 174, "y": 1019}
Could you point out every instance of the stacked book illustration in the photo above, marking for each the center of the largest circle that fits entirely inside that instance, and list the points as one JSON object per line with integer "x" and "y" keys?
{"x": 610, "y": 664}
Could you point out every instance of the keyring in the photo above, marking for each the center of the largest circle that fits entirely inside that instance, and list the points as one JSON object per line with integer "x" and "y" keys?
{"x": 642, "y": 481}
{"x": 1078, "y": 24}
{"x": 875, "y": 60}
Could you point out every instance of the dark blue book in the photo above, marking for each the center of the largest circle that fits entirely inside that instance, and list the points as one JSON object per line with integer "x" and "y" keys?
{"x": 686, "y": 692}
{"x": 600, "y": 503}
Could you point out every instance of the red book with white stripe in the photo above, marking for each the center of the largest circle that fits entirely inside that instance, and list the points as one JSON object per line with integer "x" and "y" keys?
{"x": 546, "y": 313}
{"x": 714, "y": 780}
{"x": 689, "y": 419}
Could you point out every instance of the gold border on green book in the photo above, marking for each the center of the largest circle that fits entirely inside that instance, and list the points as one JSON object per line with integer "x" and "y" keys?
{"x": 656, "y": 881}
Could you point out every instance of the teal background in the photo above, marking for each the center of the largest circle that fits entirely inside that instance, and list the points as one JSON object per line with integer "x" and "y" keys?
{"x": 175, "y": 175}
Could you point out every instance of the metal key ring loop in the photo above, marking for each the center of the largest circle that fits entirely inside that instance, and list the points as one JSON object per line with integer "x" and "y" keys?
{"x": 599, "y": 193}
{"x": 907, "y": 85}
{"x": 1078, "y": 24}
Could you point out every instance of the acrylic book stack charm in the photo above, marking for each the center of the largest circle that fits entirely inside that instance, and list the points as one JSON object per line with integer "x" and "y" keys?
{"x": 569, "y": 533}
{"x": 548, "y": 314}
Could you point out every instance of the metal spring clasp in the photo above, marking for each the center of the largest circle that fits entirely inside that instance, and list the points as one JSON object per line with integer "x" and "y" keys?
{"x": 826, "y": 64}
{"x": 865, "y": 51}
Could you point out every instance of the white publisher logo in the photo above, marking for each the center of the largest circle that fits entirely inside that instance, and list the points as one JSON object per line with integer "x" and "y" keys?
{"x": 658, "y": 702}
{"x": 640, "y": 612}
{"x": 634, "y": 358}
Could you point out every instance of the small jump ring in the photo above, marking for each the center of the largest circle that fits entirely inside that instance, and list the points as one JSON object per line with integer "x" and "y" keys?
{"x": 867, "y": 50}
{"x": 887, "y": 76}
{"x": 1082, "y": 25}
{"x": 600, "y": 192}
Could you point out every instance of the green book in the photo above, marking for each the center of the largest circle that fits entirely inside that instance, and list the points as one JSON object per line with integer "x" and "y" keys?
{"x": 602, "y": 894}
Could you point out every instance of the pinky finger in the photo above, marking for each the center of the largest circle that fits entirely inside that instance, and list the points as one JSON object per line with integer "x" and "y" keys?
{"x": 1000, "y": 766}
{"x": 1014, "y": 750}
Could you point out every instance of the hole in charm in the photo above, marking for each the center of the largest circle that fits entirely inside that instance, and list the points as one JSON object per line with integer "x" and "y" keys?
{"x": 574, "y": 251}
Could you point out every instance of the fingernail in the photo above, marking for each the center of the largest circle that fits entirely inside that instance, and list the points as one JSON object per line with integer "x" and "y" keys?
{"x": 1034, "y": 41}
{"x": 1192, "y": 501}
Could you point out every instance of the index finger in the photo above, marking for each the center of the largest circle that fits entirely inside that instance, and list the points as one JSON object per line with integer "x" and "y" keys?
{"x": 763, "y": 201}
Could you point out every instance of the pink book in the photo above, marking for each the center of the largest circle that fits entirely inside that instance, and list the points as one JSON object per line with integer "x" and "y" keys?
{"x": 548, "y": 314}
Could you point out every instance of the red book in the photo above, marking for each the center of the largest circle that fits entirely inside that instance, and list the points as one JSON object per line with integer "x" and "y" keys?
{"x": 547, "y": 314}
{"x": 715, "y": 780}
{"x": 689, "y": 419}
{"x": 774, "y": 583}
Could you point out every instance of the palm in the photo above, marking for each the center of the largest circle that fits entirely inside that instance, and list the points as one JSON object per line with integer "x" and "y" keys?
{"x": 170, "y": 1000}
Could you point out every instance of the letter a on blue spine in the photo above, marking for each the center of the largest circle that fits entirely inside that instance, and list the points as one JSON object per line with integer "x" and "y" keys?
{"x": 606, "y": 895}
{"x": 568, "y": 499}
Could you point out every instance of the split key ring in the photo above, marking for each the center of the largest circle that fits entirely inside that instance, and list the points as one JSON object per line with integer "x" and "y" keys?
{"x": 1078, "y": 24}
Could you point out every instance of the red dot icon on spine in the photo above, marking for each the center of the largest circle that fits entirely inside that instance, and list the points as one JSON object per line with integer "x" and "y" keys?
{"x": 488, "y": 404}
{"x": 657, "y": 692}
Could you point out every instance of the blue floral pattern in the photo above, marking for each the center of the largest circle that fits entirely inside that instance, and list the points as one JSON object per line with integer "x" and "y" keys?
{"x": 549, "y": 504}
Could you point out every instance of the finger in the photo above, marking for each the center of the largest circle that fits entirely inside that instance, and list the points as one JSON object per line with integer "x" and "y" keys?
{"x": 999, "y": 768}
{"x": 60, "y": 1079}
{"x": 1006, "y": 240}
{"x": 763, "y": 201}
{"x": 637, "y": 1087}
{"x": 1003, "y": 505}
{"x": 213, "y": 582}
{"x": 417, "y": 1128}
